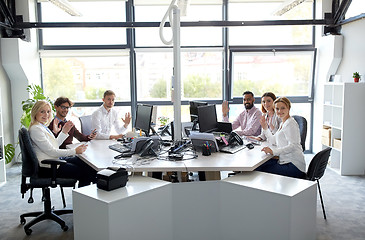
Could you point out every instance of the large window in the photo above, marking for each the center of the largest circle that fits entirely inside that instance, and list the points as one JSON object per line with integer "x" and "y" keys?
{"x": 141, "y": 69}
{"x": 201, "y": 75}
{"x": 91, "y": 11}
{"x": 270, "y": 10}
{"x": 193, "y": 36}
{"x": 283, "y": 73}
{"x": 86, "y": 78}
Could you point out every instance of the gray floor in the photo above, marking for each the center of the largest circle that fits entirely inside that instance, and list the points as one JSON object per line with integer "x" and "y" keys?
{"x": 344, "y": 198}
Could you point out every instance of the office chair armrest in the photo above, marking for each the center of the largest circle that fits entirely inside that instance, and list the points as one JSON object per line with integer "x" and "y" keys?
{"x": 54, "y": 163}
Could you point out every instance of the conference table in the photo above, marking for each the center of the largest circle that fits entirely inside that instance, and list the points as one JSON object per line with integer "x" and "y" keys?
{"x": 99, "y": 156}
{"x": 249, "y": 205}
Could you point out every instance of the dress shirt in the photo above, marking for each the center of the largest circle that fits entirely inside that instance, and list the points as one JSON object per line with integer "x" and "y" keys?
{"x": 286, "y": 144}
{"x": 46, "y": 146}
{"x": 71, "y": 134}
{"x": 103, "y": 121}
{"x": 249, "y": 121}
{"x": 275, "y": 121}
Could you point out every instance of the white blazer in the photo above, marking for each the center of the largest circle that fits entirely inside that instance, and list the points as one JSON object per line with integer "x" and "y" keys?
{"x": 46, "y": 146}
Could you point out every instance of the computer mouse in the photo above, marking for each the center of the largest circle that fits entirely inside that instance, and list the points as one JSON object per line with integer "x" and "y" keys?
{"x": 250, "y": 146}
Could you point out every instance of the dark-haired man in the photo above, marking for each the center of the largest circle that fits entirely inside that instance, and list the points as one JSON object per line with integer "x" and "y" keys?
{"x": 105, "y": 118}
{"x": 248, "y": 121}
{"x": 62, "y": 106}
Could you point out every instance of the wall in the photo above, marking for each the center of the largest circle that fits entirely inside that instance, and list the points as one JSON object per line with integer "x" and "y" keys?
{"x": 22, "y": 59}
{"x": 353, "y": 52}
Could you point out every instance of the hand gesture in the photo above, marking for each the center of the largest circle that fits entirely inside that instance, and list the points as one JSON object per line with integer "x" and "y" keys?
{"x": 92, "y": 135}
{"x": 127, "y": 119}
{"x": 80, "y": 149}
{"x": 67, "y": 127}
{"x": 56, "y": 127}
{"x": 263, "y": 122}
{"x": 267, "y": 150}
{"x": 225, "y": 108}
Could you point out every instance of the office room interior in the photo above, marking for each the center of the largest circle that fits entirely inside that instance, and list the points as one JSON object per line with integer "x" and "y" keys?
{"x": 306, "y": 50}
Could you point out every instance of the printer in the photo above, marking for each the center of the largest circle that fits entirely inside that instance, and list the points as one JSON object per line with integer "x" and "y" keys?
{"x": 111, "y": 178}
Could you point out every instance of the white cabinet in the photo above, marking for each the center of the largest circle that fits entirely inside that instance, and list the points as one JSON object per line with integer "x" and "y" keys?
{"x": 2, "y": 153}
{"x": 344, "y": 118}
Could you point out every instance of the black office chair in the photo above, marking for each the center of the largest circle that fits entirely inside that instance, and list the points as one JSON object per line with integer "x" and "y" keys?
{"x": 302, "y": 122}
{"x": 32, "y": 178}
{"x": 316, "y": 170}
{"x": 86, "y": 125}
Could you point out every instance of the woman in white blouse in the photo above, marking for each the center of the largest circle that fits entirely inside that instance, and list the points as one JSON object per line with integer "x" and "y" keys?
{"x": 46, "y": 146}
{"x": 269, "y": 115}
{"x": 285, "y": 144}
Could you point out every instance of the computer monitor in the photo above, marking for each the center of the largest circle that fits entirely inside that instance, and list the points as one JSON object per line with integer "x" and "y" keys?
{"x": 194, "y": 109}
{"x": 207, "y": 118}
{"x": 143, "y": 118}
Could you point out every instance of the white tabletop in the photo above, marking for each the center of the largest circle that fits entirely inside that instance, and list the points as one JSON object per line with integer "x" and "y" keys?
{"x": 134, "y": 186}
{"x": 99, "y": 156}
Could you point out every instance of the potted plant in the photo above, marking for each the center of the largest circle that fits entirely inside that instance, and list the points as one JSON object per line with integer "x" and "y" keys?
{"x": 36, "y": 93}
{"x": 163, "y": 120}
{"x": 356, "y": 76}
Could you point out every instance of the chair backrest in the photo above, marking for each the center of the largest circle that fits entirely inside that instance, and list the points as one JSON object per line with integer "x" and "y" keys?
{"x": 318, "y": 164}
{"x": 30, "y": 163}
{"x": 86, "y": 125}
{"x": 302, "y": 122}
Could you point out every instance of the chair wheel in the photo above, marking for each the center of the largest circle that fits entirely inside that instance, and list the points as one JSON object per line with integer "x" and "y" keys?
{"x": 28, "y": 231}
{"x": 22, "y": 221}
{"x": 65, "y": 228}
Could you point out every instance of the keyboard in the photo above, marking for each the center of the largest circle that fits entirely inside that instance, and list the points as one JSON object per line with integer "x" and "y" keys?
{"x": 232, "y": 148}
{"x": 122, "y": 148}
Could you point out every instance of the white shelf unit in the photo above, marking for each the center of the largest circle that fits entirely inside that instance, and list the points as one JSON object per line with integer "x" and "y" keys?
{"x": 2, "y": 153}
{"x": 344, "y": 113}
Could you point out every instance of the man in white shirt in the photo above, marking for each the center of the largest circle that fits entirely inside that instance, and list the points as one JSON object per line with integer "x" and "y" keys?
{"x": 105, "y": 117}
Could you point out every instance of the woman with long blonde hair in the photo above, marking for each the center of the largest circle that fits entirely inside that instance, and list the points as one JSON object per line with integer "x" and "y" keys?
{"x": 285, "y": 144}
{"x": 46, "y": 146}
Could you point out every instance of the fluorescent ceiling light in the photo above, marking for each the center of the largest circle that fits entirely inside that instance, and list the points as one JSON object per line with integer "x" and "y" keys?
{"x": 66, "y": 6}
{"x": 287, "y": 6}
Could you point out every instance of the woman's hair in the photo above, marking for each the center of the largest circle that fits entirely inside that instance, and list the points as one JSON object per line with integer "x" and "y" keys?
{"x": 267, "y": 94}
{"x": 284, "y": 100}
{"x": 35, "y": 110}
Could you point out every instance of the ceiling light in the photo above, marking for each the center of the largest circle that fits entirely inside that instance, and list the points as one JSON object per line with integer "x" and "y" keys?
{"x": 287, "y": 6}
{"x": 66, "y": 6}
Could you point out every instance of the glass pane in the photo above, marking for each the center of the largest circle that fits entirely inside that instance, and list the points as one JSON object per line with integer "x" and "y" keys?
{"x": 269, "y": 10}
{"x": 94, "y": 11}
{"x": 86, "y": 78}
{"x": 201, "y": 75}
{"x": 285, "y": 74}
{"x": 202, "y": 36}
{"x": 356, "y": 8}
{"x": 268, "y": 35}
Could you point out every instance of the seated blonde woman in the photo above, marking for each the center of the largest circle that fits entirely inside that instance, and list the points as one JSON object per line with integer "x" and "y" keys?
{"x": 285, "y": 144}
{"x": 46, "y": 146}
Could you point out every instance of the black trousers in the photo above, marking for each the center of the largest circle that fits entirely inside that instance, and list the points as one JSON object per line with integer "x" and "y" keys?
{"x": 75, "y": 168}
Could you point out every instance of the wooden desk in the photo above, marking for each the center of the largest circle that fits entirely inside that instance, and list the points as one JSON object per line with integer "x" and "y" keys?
{"x": 99, "y": 156}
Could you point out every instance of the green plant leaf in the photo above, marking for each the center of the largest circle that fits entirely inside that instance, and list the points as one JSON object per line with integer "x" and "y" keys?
{"x": 9, "y": 152}
{"x": 36, "y": 93}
